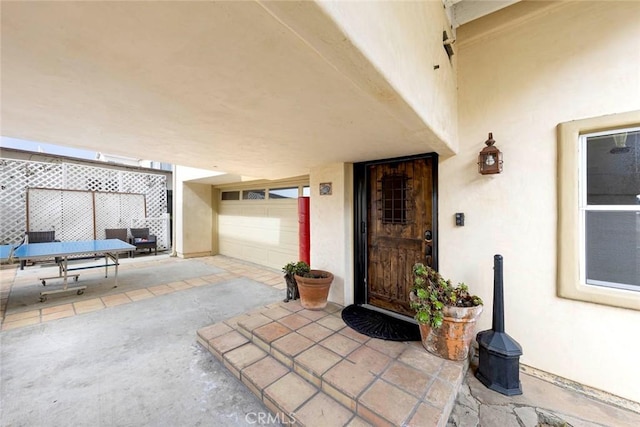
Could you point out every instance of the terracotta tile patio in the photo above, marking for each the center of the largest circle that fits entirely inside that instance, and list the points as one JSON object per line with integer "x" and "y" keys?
{"x": 309, "y": 367}
{"x": 59, "y": 307}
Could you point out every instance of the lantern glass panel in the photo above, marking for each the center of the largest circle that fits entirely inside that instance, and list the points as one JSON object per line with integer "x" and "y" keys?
{"x": 490, "y": 161}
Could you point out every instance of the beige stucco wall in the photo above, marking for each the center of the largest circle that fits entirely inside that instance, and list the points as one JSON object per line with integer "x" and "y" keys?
{"x": 562, "y": 63}
{"x": 332, "y": 228}
{"x": 215, "y": 226}
{"x": 193, "y": 216}
{"x": 403, "y": 40}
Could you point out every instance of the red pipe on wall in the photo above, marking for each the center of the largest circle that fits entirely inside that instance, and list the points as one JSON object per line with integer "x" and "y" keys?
{"x": 304, "y": 230}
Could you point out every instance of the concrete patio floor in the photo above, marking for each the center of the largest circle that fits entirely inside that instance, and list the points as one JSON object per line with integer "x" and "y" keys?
{"x": 130, "y": 356}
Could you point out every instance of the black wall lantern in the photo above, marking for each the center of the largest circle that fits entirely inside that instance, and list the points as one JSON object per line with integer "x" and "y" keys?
{"x": 490, "y": 158}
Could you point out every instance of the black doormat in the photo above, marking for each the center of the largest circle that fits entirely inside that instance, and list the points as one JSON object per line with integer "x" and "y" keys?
{"x": 379, "y": 325}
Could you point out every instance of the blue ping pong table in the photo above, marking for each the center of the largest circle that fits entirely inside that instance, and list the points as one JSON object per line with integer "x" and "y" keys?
{"x": 5, "y": 252}
{"x": 109, "y": 249}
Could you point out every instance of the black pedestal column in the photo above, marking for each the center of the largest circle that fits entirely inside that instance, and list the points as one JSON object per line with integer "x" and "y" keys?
{"x": 499, "y": 365}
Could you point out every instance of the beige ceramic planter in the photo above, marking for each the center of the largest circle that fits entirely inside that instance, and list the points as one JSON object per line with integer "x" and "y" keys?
{"x": 314, "y": 292}
{"x": 451, "y": 340}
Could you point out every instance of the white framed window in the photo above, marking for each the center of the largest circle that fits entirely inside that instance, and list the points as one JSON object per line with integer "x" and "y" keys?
{"x": 609, "y": 206}
{"x": 230, "y": 195}
{"x": 283, "y": 193}
{"x": 254, "y": 194}
{"x": 599, "y": 210}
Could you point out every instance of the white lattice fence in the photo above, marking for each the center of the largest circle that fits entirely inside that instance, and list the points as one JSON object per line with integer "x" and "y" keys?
{"x": 81, "y": 215}
{"x": 117, "y": 210}
{"x": 16, "y": 176}
{"x": 77, "y": 216}
{"x": 145, "y": 184}
{"x": 108, "y": 215}
{"x": 68, "y": 213}
{"x": 45, "y": 210}
{"x": 130, "y": 209}
{"x": 82, "y": 177}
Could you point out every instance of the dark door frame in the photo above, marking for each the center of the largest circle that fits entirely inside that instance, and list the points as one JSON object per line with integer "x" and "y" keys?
{"x": 360, "y": 200}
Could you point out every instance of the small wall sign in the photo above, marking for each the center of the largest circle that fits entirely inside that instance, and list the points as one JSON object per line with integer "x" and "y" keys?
{"x": 325, "y": 188}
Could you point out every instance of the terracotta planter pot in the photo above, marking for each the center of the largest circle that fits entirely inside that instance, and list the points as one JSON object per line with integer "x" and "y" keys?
{"x": 451, "y": 340}
{"x": 314, "y": 292}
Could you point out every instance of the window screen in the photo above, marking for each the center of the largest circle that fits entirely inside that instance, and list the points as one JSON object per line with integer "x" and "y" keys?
{"x": 610, "y": 206}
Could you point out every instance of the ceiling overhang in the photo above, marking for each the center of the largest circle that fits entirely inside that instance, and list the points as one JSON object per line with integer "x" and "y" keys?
{"x": 461, "y": 12}
{"x": 223, "y": 86}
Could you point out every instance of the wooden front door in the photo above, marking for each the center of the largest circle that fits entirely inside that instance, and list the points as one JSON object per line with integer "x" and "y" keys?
{"x": 400, "y": 229}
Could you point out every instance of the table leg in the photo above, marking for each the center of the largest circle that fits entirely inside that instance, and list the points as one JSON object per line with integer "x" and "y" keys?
{"x": 64, "y": 262}
{"x": 117, "y": 269}
{"x": 65, "y": 288}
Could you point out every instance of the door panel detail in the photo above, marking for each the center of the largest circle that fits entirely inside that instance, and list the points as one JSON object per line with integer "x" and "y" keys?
{"x": 399, "y": 229}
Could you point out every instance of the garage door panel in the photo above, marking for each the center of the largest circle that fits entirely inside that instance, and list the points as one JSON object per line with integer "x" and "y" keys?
{"x": 290, "y": 239}
{"x": 288, "y": 224}
{"x": 283, "y": 212}
{"x": 231, "y": 248}
{"x": 279, "y": 258}
{"x": 264, "y": 231}
{"x": 254, "y": 211}
{"x": 231, "y": 209}
{"x": 255, "y": 254}
{"x": 260, "y": 221}
{"x": 258, "y": 235}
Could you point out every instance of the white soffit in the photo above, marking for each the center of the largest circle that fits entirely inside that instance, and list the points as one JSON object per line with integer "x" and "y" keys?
{"x": 462, "y": 11}
{"x": 223, "y": 86}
